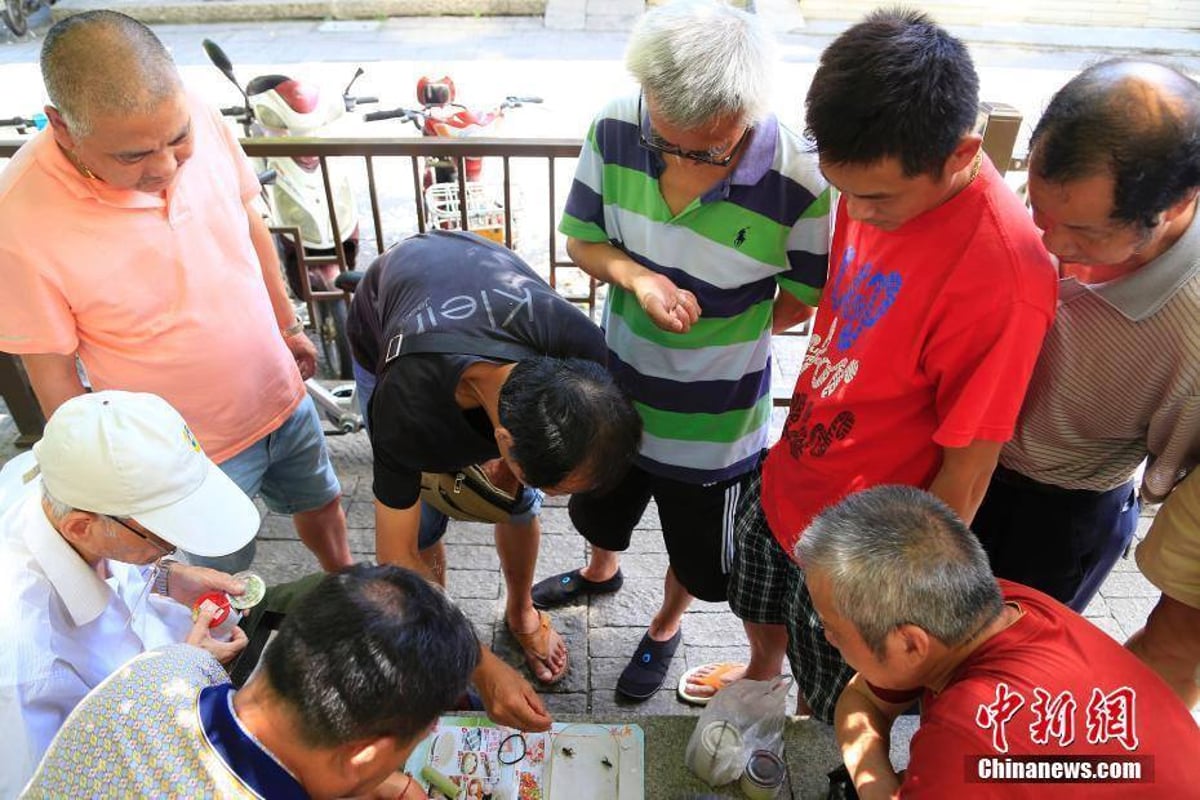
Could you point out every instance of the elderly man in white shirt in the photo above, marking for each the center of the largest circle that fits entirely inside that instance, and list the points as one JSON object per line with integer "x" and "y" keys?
{"x": 117, "y": 483}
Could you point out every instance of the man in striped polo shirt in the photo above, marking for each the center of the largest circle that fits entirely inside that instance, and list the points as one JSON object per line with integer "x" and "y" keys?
{"x": 709, "y": 220}
{"x": 1113, "y": 180}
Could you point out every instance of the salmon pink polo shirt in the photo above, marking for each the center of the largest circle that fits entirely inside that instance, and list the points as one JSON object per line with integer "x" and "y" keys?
{"x": 155, "y": 293}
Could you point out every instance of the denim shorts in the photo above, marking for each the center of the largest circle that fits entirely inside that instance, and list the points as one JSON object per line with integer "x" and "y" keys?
{"x": 433, "y": 522}
{"x": 289, "y": 468}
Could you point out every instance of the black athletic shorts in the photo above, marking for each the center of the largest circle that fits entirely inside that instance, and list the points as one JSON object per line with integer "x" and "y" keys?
{"x": 697, "y": 525}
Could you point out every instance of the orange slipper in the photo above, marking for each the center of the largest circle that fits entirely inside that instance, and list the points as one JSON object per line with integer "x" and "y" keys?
{"x": 717, "y": 679}
{"x": 536, "y": 645}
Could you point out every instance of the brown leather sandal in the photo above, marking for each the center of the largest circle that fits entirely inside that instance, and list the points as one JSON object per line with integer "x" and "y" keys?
{"x": 536, "y": 645}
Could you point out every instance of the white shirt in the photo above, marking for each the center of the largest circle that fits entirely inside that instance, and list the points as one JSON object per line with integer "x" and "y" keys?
{"x": 63, "y": 630}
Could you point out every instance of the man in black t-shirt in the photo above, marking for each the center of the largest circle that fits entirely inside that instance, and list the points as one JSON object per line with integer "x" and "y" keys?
{"x": 549, "y": 418}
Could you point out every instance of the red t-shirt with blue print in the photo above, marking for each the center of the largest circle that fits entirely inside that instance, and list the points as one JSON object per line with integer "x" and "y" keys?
{"x": 925, "y": 338}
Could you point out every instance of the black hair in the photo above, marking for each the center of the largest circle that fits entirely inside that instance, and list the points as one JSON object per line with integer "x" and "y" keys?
{"x": 893, "y": 86}
{"x": 371, "y": 651}
{"x": 1105, "y": 121}
{"x": 564, "y": 414}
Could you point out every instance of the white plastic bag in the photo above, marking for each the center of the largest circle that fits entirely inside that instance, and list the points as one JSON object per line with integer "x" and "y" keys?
{"x": 743, "y": 717}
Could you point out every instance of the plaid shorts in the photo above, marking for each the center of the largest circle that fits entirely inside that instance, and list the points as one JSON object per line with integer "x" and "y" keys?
{"x": 767, "y": 587}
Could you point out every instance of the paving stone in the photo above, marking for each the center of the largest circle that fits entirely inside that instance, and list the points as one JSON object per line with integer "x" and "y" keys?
{"x": 566, "y": 703}
{"x": 1110, "y": 626}
{"x": 605, "y": 701}
{"x": 472, "y": 583}
{"x": 705, "y": 607}
{"x": 633, "y": 606}
{"x": 361, "y": 514}
{"x": 277, "y": 527}
{"x": 1098, "y": 607}
{"x": 699, "y": 655}
{"x": 645, "y": 565}
{"x": 473, "y": 557}
{"x": 485, "y": 615}
{"x": 1129, "y": 584}
{"x": 650, "y": 520}
{"x": 714, "y": 630}
{"x": 1131, "y": 612}
{"x": 362, "y": 542}
{"x": 349, "y": 483}
{"x": 274, "y": 553}
{"x": 614, "y": 642}
{"x": 554, "y": 519}
{"x": 1127, "y": 563}
{"x": 559, "y": 554}
{"x": 645, "y": 540}
{"x": 282, "y": 561}
{"x": 479, "y": 533}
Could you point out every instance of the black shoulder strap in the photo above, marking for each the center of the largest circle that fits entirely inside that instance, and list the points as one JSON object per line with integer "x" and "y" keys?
{"x": 450, "y": 342}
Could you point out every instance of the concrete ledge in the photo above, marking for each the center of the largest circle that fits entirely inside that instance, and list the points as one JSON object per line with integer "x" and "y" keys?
{"x": 185, "y": 12}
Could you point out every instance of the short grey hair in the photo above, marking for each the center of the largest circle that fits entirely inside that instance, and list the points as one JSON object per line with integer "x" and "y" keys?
{"x": 58, "y": 509}
{"x": 105, "y": 62}
{"x": 895, "y": 555}
{"x": 700, "y": 60}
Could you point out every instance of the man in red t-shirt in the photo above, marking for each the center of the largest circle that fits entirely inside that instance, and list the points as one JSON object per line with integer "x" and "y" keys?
{"x": 1020, "y": 696}
{"x": 938, "y": 297}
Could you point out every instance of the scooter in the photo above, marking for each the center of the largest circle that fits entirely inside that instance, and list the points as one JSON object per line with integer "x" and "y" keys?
{"x": 279, "y": 106}
{"x": 440, "y": 115}
{"x": 16, "y": 13}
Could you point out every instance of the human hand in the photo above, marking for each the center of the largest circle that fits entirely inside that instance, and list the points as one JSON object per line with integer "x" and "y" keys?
{"x": 509, "y": 699}
{"x": 669, "y": 307}
{"x": 501, "y": 475}
{"x": 187, "y": 582}
{"x": 225, "y": 652}
{"x": 305, "y": 353}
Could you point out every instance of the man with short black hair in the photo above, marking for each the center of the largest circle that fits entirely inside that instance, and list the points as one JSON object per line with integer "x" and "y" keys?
{"x": 938, "y": 297}
{"x": 358, "y": 672}
{"x": 1009, "y": 679}
{"x": 463, "y": 355}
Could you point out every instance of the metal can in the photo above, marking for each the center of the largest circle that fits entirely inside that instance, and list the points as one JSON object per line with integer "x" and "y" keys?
{"x": 763, "y": 776}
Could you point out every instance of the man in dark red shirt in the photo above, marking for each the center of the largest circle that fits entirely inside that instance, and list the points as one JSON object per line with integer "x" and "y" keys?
{"x": 1020, "y": 696}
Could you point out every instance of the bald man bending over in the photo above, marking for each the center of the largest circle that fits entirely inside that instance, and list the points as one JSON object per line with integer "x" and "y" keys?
{"x": 1113, "y": 180}
{"x": 128, "y": 238}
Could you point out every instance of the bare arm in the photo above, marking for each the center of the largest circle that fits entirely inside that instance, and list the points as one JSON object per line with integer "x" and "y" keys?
{"x": 963, "y": 479}
{"x": 509, "y": 698}
{"x": 788, "y": 312}
{"x": 300, "y": 346}
{"x": 668, "y": 306}
{"x": 54, "y": 379}
{"x": 863, "y": 723}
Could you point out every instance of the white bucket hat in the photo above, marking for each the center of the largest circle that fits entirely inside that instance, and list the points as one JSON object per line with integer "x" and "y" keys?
{"x": 125, "y": 454}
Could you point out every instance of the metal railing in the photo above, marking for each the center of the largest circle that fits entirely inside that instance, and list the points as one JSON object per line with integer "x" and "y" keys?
{"x": 999, "y": 123}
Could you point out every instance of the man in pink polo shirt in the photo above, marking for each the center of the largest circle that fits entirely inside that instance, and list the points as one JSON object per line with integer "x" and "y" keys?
{"x": 129, "y": 238}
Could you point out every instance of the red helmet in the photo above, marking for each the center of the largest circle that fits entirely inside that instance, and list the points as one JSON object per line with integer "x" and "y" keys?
{"x": 435, "y": 91}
